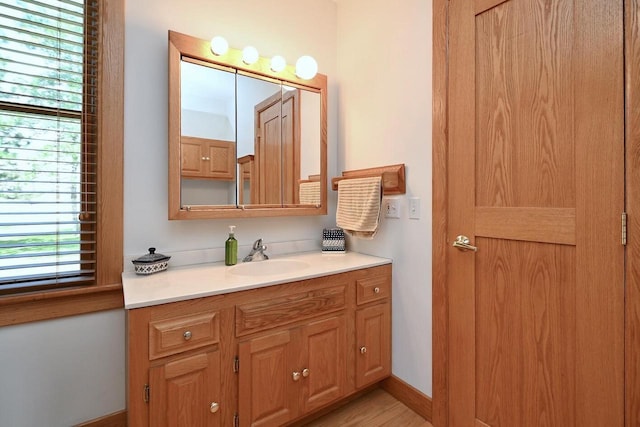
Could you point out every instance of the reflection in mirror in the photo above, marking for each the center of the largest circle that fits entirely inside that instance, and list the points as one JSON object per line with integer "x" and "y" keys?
{"x": 259, "y": 135}
{"x": 244, "y": 141}
{"x": 309, "y": 187}
{"x": 208, "y": 135}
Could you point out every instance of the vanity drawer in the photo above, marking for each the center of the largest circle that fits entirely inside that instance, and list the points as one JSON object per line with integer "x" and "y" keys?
{"x": 178, "y": 334}
{"x": 373, "y": 289}
{"x": 261, "y": 315}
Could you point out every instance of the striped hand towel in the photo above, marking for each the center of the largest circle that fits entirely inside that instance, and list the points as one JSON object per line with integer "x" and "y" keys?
{"x": 310, "y": 193}
{"x": 359, "y": 204}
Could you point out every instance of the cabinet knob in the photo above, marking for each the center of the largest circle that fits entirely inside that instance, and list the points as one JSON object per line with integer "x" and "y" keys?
{"x": 305, "y": 372}
{"x": 203, "y": 158}
{"x": 376, "y": 290}
{"x": 295, "y": 375}
{"x": 187, "y": 335}
{"x": 363, "y": 350}
{"x": 214, "y": 407}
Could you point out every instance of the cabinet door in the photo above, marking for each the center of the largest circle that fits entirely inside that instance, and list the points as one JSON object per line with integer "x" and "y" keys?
{"x": 192, "y": 158}
{"x": 324, "y": 363}
{"x": 373, "y": 338}
{"x": 186, "y": 392}
{"x": 267, "y": 388}
{"x": 220, "y": 160}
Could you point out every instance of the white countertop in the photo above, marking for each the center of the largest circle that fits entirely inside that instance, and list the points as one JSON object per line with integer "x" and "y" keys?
{"x": 196, "y": 281}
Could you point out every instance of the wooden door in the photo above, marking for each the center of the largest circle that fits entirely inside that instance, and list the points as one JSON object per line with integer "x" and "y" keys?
{"x": 536, "y": 181}
{"x": 268, "y": 151}
{"x": 186, "y": 392}
{"x": 267, "y": 390}
{"x": 323, "y": 361}
{"x": 277, "y": 149}
{"x": 373, "y": 341}
{"x": 290, "y": 147}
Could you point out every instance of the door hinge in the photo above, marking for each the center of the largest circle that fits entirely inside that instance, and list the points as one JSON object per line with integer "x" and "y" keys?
{"x": 146, "y": 393}
{"x": 236, "y": 420}
{"x": 624, "y": 228}
{"x": 236, "y": 364}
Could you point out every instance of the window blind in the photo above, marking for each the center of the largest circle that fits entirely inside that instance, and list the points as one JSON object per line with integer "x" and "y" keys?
{"x": 48, "y": 121}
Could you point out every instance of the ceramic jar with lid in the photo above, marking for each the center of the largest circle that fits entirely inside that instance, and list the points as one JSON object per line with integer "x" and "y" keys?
{"x": 151, "y": 263}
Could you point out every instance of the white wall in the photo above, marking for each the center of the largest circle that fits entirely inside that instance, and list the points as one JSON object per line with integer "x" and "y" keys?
{"x": 384, "y": 82}
{"x": 61, "y": 372}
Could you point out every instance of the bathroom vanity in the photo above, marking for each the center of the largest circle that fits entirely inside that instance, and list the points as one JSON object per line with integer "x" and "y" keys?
{"x": 255, "y": 345}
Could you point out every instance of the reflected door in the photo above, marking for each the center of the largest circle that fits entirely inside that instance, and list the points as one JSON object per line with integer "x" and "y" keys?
{"x": 268, "y": 151}
{"x": 277, "y": 149}
{"x": 537, "y": 159}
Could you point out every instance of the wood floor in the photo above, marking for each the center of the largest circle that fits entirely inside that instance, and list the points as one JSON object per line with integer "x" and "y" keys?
{"x": 375, "y": 409}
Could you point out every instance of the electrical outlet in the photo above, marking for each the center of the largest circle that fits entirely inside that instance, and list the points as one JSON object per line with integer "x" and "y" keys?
{"x": 414, "y": 208}
{"x": 391, "y": 208}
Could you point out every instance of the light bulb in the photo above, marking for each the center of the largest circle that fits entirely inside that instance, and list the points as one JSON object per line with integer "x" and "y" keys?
{"x": 278, "y": 63}
{"x": 219, "y": 45}
{"x": 306, "y": 67}
{"x": 250, "y": 55}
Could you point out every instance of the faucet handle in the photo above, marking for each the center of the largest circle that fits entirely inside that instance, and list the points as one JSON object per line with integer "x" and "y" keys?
{"x": 257, "y": 245}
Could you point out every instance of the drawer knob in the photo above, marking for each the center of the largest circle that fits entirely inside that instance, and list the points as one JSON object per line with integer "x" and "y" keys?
{"x": 295, "y": 375}
{"x": 187, "y": 335}
{"x": 376, "y": 290}
{"x": 363, "y": 350}
{"x": 305, "y": 372}
{"x": 214, "y": 407}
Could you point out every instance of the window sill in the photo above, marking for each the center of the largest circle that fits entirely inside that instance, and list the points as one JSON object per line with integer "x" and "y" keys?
{"x": 16, "y": 309}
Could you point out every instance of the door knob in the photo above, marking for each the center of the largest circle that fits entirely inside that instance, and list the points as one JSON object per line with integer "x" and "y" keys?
{"x": 463, "y": 243}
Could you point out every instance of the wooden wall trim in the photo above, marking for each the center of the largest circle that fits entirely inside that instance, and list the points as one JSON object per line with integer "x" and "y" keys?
{"x": 55, "y": 304}
{"x": 111, "y": 145}
{"x": 414, "y": 399}
{"x": 632, "y": 178}
{"x": 440, "y": 343}
{"x": 117, "y": 419}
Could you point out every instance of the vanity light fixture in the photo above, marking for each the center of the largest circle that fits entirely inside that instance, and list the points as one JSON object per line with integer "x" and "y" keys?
{"x": 278, "y": 63}
{"x": 306, "y": 67}
{"x": 219, "y": 45}
{"x": 250, "y": 55}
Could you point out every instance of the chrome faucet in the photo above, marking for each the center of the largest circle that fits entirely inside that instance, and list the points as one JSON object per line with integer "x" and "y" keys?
{"x": 257, "y": 253}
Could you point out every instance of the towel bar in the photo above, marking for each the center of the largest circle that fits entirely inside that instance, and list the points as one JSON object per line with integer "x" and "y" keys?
{"x": 393, "y": 180}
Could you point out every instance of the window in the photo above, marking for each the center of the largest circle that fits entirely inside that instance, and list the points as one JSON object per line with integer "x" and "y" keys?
{"x": 60, "y": 143}
{"x": 48, "y": 86}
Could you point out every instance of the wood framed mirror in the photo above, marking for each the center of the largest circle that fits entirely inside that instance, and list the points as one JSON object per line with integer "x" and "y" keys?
{"x": 244, "y": 141}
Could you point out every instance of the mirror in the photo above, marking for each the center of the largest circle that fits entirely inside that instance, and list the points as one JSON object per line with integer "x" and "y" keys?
{"x": 244, "y": 141}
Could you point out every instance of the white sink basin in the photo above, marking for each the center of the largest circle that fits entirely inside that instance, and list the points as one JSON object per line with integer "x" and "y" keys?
{"x": 268, "y": 267}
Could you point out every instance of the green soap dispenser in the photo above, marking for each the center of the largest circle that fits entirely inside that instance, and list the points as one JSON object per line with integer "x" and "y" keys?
{"x": 231, "y": 248}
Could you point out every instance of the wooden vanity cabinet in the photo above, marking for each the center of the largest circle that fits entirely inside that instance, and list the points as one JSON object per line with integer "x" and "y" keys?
{"x": 174, "y": 359}
{"x": 292, "y": 372}
{"x": 186, "y": 391}
{"x": 261, "y": 357}
{"x": 373, "y": 330}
